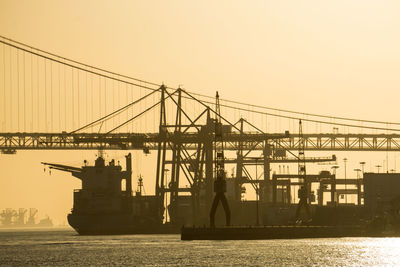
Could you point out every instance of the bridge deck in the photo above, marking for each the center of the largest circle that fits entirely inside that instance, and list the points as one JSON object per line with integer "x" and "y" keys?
{"x": 253, "y": 141}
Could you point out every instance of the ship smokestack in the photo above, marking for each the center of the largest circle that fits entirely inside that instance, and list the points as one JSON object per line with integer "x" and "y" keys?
{"x": 129, "y": 174}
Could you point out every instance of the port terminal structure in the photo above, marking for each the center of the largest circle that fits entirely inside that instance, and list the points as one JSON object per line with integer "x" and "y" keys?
{"x": 185, "y": 145}
{"x": 187, "y": 151}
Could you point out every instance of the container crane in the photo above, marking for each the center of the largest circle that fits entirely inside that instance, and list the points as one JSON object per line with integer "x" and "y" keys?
{"x": 304, "y": 191}
{"x": 219, "y": 170}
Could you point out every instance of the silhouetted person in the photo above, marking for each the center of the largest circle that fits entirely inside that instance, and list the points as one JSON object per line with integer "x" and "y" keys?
{"x": 220, "y": 189}
{"x": 303, "y": 203}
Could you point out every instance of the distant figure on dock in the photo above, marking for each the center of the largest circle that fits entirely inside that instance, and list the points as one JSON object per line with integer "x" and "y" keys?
{"x": 220, "y": 189}
{"x": 303, "y": 203}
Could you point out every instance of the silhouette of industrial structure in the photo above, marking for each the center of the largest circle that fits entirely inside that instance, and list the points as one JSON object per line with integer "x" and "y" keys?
{"x": 20, "y": 218}
{"x": 187, "y": 144}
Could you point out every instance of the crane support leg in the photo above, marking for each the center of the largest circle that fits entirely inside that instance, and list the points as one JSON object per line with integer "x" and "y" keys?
{"x": 220, "y": 197}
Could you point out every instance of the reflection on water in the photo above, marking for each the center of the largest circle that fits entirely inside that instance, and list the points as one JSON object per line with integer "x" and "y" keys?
{"x": 65, "y": 247}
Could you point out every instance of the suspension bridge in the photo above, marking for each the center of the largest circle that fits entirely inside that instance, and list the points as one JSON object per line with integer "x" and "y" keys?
{"x": 50, "y": 102}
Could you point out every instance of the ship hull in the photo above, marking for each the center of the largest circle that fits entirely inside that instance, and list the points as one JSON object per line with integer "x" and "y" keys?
{"x": 271, "y": 232}
{"x": 116, "y": 224}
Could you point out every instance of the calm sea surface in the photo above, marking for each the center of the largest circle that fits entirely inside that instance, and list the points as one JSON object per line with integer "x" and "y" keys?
{"x": 66, "y": 248}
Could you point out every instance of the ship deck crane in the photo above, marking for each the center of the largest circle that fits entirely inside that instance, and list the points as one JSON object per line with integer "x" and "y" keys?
{"x": 75, "y": 171}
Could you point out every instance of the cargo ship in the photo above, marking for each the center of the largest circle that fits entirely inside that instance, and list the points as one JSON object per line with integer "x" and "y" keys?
{"x": 105, "y": 203}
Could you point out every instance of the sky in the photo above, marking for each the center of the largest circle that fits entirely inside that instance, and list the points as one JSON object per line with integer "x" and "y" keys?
{"x": 327, "y": 57}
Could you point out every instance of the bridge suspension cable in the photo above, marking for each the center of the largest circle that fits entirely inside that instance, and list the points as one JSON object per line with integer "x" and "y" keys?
{"x": 114, "y": 113}
{"x": 305, "y": 119}
{"x": 301, "y": 113}
{"x": 80, "y": 68}
{"x": 149, "y": 86}
{"x": 73, "y": 61}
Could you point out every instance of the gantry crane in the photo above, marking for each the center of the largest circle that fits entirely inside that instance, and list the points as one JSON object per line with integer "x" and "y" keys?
{"x": 219, "y": 169}
{"x": 305, "y": 188}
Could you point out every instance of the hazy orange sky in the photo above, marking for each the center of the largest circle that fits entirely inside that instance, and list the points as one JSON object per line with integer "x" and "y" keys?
{"x": 329, "y": 57}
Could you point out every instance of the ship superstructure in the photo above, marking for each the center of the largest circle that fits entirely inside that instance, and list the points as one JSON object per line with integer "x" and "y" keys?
{"x": 105, "y": 204}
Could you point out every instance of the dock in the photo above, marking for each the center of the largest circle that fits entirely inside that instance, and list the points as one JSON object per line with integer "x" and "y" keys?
{"x": 270, "y": 232}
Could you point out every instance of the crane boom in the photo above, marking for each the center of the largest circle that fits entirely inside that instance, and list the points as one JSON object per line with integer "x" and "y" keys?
{"x": 61, "y": 167}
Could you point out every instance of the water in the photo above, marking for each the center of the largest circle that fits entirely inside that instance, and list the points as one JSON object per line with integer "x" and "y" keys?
{"x": 66, "y": 248}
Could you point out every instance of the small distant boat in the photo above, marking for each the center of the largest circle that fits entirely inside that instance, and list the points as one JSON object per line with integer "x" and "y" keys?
{"x": 46, "y": 222}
